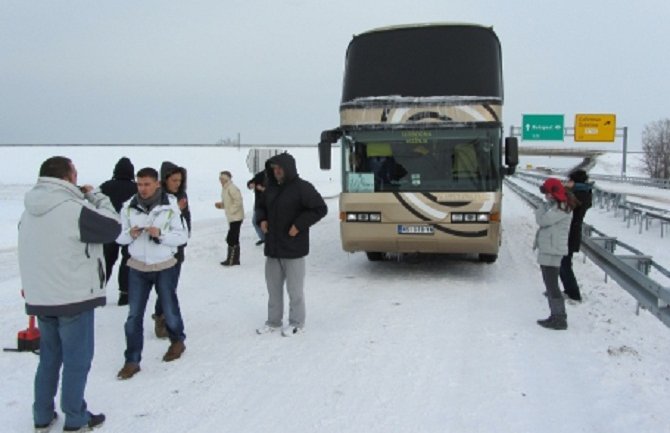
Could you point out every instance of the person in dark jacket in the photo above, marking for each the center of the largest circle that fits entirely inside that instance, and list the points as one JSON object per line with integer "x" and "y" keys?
{"x": 257, "y": 184}
{"x": 578, "y": 185}
{"x": 290, "y": 206}
{"x": 173, "y": 181}
{"x": 119, "y": 189}
{"x": 61, "y": 234}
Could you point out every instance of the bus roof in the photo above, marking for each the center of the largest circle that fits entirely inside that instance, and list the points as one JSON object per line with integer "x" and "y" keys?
{"x": 424, "y": 60}
{"x": 420, "y": 25}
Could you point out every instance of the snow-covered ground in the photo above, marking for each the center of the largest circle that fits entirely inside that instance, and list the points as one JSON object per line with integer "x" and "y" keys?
{"x": 442, "y": 345}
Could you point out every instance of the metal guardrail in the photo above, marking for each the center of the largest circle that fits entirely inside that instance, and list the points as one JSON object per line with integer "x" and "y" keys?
{"x": 645, "y": 181}
{"x": 630, "y": 270}
{"x": 633, "y": 212}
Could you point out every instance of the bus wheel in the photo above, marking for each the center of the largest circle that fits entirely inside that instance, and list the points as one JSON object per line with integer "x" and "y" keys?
{"x": 488, "y": 258}
{"x": 374, "y": 256}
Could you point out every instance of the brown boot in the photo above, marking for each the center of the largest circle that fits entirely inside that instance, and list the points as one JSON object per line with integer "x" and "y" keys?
{"x": 129, "y": 370}
{"x": 174, "y": 351}
{"x": 159, "y": 326}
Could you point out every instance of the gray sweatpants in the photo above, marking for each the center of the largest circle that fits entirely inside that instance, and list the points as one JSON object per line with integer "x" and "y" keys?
{"x": 554, "y": 295}
{"x": 292, "y": 272}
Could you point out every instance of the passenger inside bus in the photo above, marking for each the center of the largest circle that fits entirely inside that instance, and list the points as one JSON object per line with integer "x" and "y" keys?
{"x": 465, "y": 165}
{"x": 381, "y": 162}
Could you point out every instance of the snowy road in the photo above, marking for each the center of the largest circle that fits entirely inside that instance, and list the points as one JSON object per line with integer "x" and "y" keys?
{"x": 435, "y": 346}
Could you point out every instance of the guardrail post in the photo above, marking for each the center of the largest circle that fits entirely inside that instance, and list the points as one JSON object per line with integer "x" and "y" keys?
{"x": 648, "y": 222}
{"x": 628, "y": 215}
{"x": 607, "y": 243}
{"x": 639, "y": 263}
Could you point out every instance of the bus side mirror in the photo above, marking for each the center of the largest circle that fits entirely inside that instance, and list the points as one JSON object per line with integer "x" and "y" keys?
{"x": 324, "y": 155}
{"x": 511, "y": 154}
{"x": 328, "y": 137}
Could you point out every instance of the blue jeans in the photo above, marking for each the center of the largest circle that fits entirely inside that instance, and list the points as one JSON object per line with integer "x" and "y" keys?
{"x": 158, "y": 308}
{"x": 139, "y": 288}
{"x": 259, "y": 232}
{"x": 66, "y": 341}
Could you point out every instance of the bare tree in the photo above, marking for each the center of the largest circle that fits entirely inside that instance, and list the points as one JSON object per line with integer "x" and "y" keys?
{"x": 656, "y": 147}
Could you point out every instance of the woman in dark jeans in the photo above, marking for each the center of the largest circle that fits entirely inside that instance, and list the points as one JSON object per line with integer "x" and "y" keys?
{"x": 173, "y": 181}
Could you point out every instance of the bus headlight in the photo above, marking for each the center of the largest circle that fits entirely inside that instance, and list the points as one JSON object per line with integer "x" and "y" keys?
{"x": 469, "y": 217}
{"x": 364, "y": 217}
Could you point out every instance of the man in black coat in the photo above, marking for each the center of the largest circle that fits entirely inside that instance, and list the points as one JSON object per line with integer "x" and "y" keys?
{"x": 579, "y": 186}
{"x": 289, "y": 207}
{"x": 119, "y": 189}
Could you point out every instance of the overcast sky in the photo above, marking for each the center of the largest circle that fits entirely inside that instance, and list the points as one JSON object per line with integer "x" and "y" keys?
{"x": 196, "y": 71}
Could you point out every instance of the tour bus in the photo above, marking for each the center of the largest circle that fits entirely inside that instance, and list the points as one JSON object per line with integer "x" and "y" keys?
{"x": 421, "y": 142}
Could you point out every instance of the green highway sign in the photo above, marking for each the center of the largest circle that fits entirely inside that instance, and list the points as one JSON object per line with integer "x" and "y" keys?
{"x": 542, "y": 127}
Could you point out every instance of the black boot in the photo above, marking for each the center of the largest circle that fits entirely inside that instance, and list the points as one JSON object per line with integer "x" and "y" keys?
{"x": 233, "y": 256}
{"x": 236, "y": 255}
{"x": 123, "y": 298}
{"x": 574, "y": 295}
{"x": 227, "y": 262}
{"x": 554, "y": 322}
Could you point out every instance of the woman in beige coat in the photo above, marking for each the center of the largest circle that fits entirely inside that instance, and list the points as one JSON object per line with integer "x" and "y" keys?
{"x": 231, "y": 203}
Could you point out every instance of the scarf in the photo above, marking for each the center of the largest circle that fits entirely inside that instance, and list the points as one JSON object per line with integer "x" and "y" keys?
{"x": 150, "y": 202}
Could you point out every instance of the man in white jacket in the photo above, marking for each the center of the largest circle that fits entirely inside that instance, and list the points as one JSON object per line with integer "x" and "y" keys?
{"x": 153, "y": 229}
{"x": 61, "y": 235}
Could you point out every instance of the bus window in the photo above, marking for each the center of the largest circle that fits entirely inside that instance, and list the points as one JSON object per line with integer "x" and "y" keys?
{"x": 381, "y": 162}
{"x": 465, "y": 164}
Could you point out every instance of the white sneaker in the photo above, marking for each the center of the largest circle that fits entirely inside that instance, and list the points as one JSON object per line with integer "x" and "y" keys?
{"x": 291, "y": 330}
{"x": 266, "y": 329}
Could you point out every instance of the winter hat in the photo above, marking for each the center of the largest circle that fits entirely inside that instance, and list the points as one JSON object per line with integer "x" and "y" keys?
{"x": 124, "y": 169}
{"x": 578, "y": 176}
{"x": 554, "y": 187}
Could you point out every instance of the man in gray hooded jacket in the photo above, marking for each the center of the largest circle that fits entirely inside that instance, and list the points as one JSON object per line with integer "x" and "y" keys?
{"x": 61, "y": 234}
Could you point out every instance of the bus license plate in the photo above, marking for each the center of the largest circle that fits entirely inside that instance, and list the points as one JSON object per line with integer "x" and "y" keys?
{"x": 415, "y": 229}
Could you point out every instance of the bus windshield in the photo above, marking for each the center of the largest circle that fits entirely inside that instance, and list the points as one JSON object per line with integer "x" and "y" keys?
{"x": 468, "y": 161}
